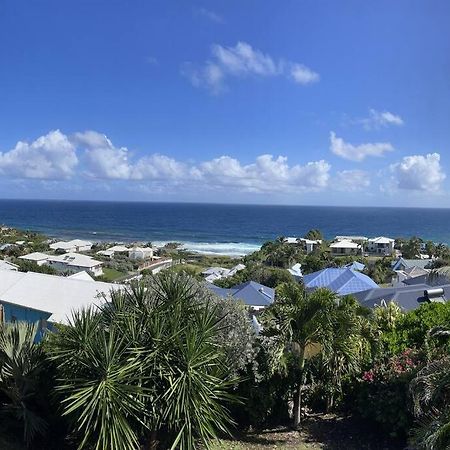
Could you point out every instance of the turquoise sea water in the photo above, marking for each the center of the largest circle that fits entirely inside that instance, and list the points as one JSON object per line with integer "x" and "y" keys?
{"x": 222, "y": 229}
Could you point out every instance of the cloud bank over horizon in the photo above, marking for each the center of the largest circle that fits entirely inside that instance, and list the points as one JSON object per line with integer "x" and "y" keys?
{"x": 91, "y": 157}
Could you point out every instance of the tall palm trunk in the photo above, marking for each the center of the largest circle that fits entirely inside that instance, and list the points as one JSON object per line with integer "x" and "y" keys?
{"x": 298, "y": 394}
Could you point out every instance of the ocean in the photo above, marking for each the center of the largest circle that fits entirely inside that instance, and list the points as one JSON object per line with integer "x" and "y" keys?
{"x": 216, "y": 229}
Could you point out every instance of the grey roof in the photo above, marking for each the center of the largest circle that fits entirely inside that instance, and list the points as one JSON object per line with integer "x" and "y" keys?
{"x": 422, "y": 263}
{"x": 407, "y": 297}
{"x": 251, "y": 293}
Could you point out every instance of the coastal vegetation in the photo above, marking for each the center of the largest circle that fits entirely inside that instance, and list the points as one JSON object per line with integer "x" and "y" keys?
{"x": 167, "y": 364}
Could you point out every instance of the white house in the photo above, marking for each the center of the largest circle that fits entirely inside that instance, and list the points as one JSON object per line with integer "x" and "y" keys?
{"x": 111, "y": 251}
{"x": 75, "y": 262}
{"x": 58, "y": 296}
{"x": 296, "y": 271}
{"x": 291, "y": 240}
{"x": 75, "y": 245}
{"x": 345, "y": 247}
{"x": 140, "y": 253}
{"x": 39, "y": 258}
{"x": 381, "y": 246}
{"x": 6, "y": 265}
{"x": 310, "y": 245}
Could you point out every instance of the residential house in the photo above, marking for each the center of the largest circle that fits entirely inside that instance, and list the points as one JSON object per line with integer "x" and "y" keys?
{"x": 76, "y": 262}
{"x": 402, "y": 263}
{"x": 140, "y": 253}
{"x": 296, "y": 271}
{"x": 355, "y": 265}
{"x": 358, "y": 239}
{"x": 73, "y": 246}
{"x": 81, "y": 276}
{"x": 343, "y": 281}
{"x": 110, "y": 252}
{"x": 310, "y": 245}
{"x": 216, "y": 273}
{"x": 253, "y": 294}
{"x": 36, "y": 297}
{"x": 345, "y": 247}
{"x": 381, "y": 246}
{"x": 39, "y": 258}
{"x": 6, "y": 265}
{"x": 406, "y": 297}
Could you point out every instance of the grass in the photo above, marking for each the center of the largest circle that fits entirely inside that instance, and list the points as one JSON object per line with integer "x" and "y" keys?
{"x": 319, "y": 432}
{"x": 111, "y": 274}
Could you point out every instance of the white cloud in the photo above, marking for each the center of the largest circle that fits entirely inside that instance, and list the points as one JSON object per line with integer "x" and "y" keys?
{"x": 352, "y": 180}
{"x": 243, "y": 60}
{"x": 419, "y": 173}
{"x": 303, "y": 75}
{"x": 210, "y": 15}
{"x": 380, "y": 119}
{"x": 157, "y": 166}
{"x": 357, "y": 152}
{"x": 103, "y": 159}
{"x": 92, "y": 157}
{"x": 51, "y": 156}
{"x": 266, "y": 174}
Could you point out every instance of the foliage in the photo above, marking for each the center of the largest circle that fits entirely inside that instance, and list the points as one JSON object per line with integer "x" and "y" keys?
{"x": 268, "y": 276}
{"x": 314, "y": 235}
{"x": 411, "y": 329}
{"x": 411, "y": 247}
{"x": 381, "y": 272}
{"x": 303, "y": 322}
{"x": 431, "y": 396}
{"x": 32, "y": 266}
{"x": 25, "y": 384}
{"x": 381, "y": 394}
{"x": 147, "y": 368}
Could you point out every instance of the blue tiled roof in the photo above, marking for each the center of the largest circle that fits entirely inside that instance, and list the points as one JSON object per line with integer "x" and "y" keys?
{"x": 251, "y": 293}
{"x": 343, "y": 281}
{"x": 355, "y": 265}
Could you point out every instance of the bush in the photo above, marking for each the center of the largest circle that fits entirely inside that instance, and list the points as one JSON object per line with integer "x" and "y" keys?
{"x": 381, "y": 394}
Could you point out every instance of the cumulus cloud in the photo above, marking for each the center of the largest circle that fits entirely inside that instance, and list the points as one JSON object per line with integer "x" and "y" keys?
{"x": 243, "y": 60}
{"x": 92, "y": 157}
{"x": 52, "y": 156}
{"x": 380, "y": 119}
{"x": 357, "y": 152}
{"x": 267, "y": 173}
{"x": 104, "y": 160}
{"x": 352, "y": 180}
{"x": 419, "y": 173}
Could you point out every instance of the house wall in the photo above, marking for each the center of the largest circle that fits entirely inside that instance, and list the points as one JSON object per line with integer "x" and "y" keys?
{"x": 62, "y": 267}
{"x": 17, "y": 313}
{"x": 344, "y": 251}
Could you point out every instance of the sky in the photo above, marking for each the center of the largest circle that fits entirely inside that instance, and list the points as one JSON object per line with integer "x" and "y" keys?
{"x": 308, "y": 102}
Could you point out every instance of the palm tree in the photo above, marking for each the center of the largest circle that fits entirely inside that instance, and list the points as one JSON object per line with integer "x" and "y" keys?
{"x": 431, "y": 397}
{"x": 22, "y": 367}
{"x": 146, "y": 368}
{"x": 304, "y": 321}
{"x": 353, "y": 336}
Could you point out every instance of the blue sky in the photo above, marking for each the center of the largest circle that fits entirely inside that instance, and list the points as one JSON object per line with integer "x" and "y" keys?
{"x": 296, "y": 102}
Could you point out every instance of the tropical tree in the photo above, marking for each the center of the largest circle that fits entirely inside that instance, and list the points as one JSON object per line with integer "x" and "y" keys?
{"x": 304, "y": 321}
{"x": 23, "y": 372}
{"x": 431, "y": 397}
{"x": 148, "y": 368}
{"x": 314, "y": 234}
{"x": 352, "y": 340}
